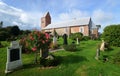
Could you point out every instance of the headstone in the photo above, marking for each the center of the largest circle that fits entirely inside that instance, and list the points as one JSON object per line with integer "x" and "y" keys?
{"x": 65, "y": 39}
{"x": 97, "y": 54}
{"x": 13, "y": 57}
{"x": 54, "y": 40}
{"x": 102, "y": 47}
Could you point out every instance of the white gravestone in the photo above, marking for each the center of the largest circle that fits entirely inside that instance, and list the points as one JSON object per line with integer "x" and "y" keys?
{"x": 102, "y": 47}
{"x": 77, "y": 41}
{"x": 13, "y": 57}
{"x": 54, "y": 40}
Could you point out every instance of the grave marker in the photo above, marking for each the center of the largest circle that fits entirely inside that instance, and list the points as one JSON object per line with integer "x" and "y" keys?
{"x": 13, "y": 57}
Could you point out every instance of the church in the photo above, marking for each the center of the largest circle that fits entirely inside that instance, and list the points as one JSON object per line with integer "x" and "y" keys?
{"x": 83, "y": 25}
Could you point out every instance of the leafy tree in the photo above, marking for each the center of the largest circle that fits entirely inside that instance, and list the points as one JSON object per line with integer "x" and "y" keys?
{"x": 9, "y": 33}
{"x": 15, "y": 30}
{"x": 111, "y": 35}
{"x": 3, "y": 35}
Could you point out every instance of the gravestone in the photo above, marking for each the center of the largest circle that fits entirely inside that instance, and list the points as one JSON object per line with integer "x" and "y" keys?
{"x": 54, "y": 40}
{"x": 65, "y": 39}
{"x": 13, "y": 57}
{"x": 97, "y": 54}
{"x": 102, "y": 47}
{"x": 77, "y": 41}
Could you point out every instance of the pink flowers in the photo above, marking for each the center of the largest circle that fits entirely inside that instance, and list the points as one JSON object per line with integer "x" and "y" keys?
{"x": 31, "y": 38}
{"x": 39, "y": 39}
{"x": 34, "y": 49}
{"x": 47, "y": 35}
{"x": 43, "y": 41}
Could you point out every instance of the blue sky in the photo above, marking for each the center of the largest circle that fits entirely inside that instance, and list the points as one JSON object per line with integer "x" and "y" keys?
{"x": 27, "y": 13}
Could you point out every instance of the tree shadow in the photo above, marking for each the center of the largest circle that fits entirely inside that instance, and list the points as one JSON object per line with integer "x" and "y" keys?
{"x": 70, "y": 59}
{"x": 30, "y": 65}
{"x": 25, "y": 66}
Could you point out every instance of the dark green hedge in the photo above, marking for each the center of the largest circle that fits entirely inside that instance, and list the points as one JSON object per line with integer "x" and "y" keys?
{"x": 111, "y": 35}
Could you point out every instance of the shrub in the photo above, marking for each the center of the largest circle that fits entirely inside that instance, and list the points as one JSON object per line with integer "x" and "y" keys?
{"x": 49, "y": 61}
{"x": 25, "y": 45}
{"x": 71, "y": 47}
{"x": 116, "y": 58}
{"x": 1, "y": 45}
{"x": 107, "y": 47}
{"x": 111, "y": 35}
{"x": 86, "y": 38}
{"x": 53, "y": 47}
{"x": 4, "y": 35}
{"x": 78, "y": 35}
{"x": 103, "y": 57}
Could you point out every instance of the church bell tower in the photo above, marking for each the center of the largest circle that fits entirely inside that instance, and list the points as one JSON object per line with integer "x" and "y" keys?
{"x": 45, "y": 20}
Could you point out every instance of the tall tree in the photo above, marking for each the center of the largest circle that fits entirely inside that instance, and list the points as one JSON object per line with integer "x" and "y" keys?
{"x": 1, "y": 24}
{"x": 15, "y": 30}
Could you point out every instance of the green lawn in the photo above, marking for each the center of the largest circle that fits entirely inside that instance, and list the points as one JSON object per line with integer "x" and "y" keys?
{"x": 79, "y": 63}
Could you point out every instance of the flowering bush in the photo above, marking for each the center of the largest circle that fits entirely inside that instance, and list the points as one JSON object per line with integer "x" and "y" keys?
{"x": 39, "y": 40}
{"x": 25, "y": 45}
{"x": 35, "y": 41}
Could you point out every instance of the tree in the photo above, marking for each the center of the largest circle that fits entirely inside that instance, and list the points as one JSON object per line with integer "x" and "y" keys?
{"x": 98, "y": 26}
{"x": 15, "y": 30}
{"x": 111, "y": 35}
{"x": 1, "y": 24}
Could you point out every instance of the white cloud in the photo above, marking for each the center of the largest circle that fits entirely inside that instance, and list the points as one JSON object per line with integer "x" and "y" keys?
{"x": 113, "y": 3}
{"x": 101, "y": 16}
{"x": 14, "y": 16}
{"x": 72, "y": 14}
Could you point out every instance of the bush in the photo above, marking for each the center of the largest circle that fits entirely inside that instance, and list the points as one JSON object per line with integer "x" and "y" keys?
{"x": 53, "y": 47}
{"x": 116, "y": 58}
{"x": 1, "y": 45}
{"x": 111, "y": 35}
{"x": 78, "y": 35}
{"x": 86, "y": 38}
{"x": 71, "y": 47}
{"x": 107, "y": 47}
{"x": 25, "y": 45}
{"x": 49, "y": 61}
{"x": 4, "y": 35}
{"x": 103, "y": 57}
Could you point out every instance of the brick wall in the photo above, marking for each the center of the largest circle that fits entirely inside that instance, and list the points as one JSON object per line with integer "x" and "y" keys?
{"x": 74, "y": 29}
{"x": 95, "y": 32}
{"x": 86, "y": 30}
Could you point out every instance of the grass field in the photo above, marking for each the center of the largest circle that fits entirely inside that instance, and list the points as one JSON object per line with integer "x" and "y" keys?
{"x": 79, "y": 63}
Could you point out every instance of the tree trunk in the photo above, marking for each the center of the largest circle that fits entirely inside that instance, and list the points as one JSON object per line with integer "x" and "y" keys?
{"x": 35, "y": 61}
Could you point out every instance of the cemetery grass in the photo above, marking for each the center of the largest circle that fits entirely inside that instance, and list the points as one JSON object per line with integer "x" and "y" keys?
{"x": 79, "y": 63}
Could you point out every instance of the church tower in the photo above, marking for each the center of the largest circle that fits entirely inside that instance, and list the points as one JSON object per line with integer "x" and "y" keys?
{"x": 45, "y": 20}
